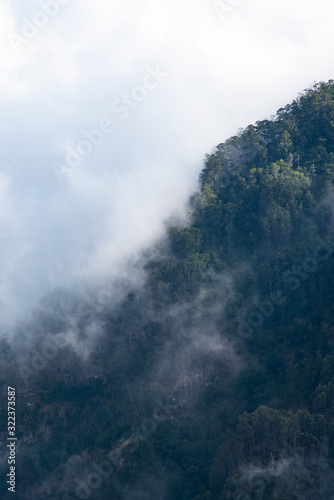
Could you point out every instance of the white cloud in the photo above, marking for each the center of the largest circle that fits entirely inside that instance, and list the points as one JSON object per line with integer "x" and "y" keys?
{"x": 222, "y": 76}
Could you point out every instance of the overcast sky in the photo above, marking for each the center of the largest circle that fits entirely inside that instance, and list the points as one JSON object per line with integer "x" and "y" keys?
{"x": 164, "y": 81}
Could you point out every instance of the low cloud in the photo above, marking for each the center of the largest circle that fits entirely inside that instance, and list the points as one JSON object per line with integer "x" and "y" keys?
{"x": 64, "y": 78}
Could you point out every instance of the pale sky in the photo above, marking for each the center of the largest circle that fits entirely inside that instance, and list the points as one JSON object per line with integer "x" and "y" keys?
{"x": 167, "y": 81}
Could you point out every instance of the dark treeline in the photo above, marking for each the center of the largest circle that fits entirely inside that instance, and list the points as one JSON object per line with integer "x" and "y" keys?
{"x": 216, "y": 380}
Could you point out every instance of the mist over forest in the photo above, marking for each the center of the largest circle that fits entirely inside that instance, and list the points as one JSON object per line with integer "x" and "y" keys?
{"x": 205, "y": 371}
{"x": 167, "y": 242}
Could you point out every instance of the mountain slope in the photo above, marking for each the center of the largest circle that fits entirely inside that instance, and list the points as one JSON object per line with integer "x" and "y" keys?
{"x": 215, "y": 380}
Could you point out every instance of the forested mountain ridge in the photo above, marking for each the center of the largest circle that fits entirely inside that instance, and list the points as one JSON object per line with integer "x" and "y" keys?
{"x": 216, "y": 380}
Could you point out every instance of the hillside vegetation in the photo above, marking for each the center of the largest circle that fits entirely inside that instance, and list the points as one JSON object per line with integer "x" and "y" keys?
{"x": 216, "y": 380}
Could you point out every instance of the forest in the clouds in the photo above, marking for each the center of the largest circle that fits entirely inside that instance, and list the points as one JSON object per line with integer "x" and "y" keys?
{"x": 213, "y": 380}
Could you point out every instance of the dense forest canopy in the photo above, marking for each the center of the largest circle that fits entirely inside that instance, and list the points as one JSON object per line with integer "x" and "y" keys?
{"x": 214, "y": 381}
